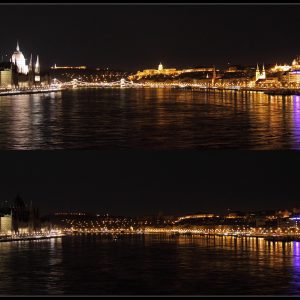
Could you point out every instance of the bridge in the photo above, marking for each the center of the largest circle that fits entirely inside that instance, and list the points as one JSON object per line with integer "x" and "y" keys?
{"x": 123, "y": 83}
{"x": 78, "y": 83}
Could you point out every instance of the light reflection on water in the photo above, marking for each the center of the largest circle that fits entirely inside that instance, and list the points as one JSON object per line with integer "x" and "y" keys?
{"x": 149, "y": 118}
{"x": 156, "y": 264}
{"x": 296, "y": 266}
{"x": 296, "y": 113}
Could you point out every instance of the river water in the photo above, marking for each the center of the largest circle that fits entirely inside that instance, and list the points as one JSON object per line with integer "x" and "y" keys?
{"x": 130, "y": 118}
{"x": 150, "y": 265}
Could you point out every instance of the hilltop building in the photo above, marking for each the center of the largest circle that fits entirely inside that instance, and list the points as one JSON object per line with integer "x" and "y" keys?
{"x": 296, "y": 64}
{"x": 280, "y": 68}
{"x": 159, "y": 71}
{"x": 168, "y": 72}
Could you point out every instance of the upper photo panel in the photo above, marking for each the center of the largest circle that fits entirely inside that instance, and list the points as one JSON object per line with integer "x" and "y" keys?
{"x": 155, "y": 77}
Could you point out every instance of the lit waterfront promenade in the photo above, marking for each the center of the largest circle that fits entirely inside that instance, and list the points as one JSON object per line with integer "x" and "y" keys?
{"x": 12, "y": 92}
{"x": 31, "y": 236}
{"x": 58, "y": 86}
{"x": 279, "y": 234}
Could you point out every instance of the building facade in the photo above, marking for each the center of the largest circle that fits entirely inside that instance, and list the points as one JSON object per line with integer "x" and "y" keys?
{"x": 7, "y": 75}
{"x": 6, "y": 224}
{"x": 17, "y": 74}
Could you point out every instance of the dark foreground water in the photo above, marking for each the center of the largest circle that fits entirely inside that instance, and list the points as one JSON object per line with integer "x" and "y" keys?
{"x": 149, "y": 119}
{"x": 95, "y": 264}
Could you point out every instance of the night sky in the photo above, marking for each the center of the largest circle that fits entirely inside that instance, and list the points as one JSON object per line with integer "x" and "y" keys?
{"x": 134, "y": 37}
{"x": 138, "y": 183}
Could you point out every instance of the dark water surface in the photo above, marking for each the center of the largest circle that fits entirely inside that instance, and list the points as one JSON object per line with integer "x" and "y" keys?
{"x": 149, "y": 119}
{"x": 95, "y": 264}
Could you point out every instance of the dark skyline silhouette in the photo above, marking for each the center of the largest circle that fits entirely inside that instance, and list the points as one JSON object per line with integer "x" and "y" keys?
{"x": 144, "y": 183}
{"x": 133, "y": 37}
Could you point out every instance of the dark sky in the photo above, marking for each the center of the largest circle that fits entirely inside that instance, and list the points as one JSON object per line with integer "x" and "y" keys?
{"x": 135, "y": 37}
{"x": 133, "y": 183}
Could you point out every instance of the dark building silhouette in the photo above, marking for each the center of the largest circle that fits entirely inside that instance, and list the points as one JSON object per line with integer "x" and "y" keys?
{"x": 25, "y": 217}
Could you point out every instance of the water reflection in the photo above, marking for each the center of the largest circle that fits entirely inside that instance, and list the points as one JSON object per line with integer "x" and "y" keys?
{"x": 149, "y": 118}
{"x": 296, "y": 116}
{"x": 30, "y": 267}
{"x": 255, "y": 265}
{"x": 296, "y": 269}
{"x": 151, "y": 264}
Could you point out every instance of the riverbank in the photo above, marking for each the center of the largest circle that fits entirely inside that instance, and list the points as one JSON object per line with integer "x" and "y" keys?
{"x": 116, "y": 233}
{"x": 30, "y": 91}
{"x": 278, "y": 238}
{"x": 195, "y": 87}
{"x": 30, "y": 238}
{"x": 271, "y": 92}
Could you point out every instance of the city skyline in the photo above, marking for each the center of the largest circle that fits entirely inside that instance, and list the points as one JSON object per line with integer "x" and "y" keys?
{"x": 121, "y": 39}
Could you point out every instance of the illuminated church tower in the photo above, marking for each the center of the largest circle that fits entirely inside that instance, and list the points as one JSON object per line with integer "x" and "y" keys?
{"x": 259, "y": 75}
{"x": 160, "y": 67}
{"x": 30, "y": 73}
{"x": 263, "y": 74}
{"x": 37, "y": 77}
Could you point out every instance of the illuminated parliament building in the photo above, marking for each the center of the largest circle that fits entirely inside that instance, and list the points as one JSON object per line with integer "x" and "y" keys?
{"x": 16, "y": 73}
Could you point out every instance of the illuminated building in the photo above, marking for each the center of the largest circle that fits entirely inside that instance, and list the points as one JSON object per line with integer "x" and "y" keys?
{"x": 293, "y": 76}
{"x": 150, "y": 72}
{"x": 197, "y": 216}
{"x": 168, "y": 72}
{"x": 296, "y": 64}
{"x": 295, "y": 219}
{"x": 69, "y": 67}
{"x": 6, "y": 224}
{"x": 19, "y": 60}
{"x": 37, "y": 77}
{"x": 260, "y": 75}
{"x": 197, "y": 70}
{"x": 30, "y": 73}
{"x": 18, "y": 217}
{"x": 280, "y": 68}
{"x": 7, "y": 75}
{"x": 270, "y": 82}
{"x": 17, "y": 74}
